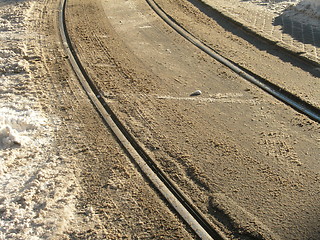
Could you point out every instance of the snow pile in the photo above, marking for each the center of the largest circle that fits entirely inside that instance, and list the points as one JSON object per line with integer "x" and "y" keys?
{"x": 7, "y": 65}
{"x": 16, "y": 126}
{"x": 309, "y": 8}
{"x": 37, "y": 191}
{"x": 8, "y": 138}
{"x": 275, "y": 6}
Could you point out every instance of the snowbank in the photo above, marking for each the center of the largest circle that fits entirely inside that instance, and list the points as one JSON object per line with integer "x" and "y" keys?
{"x": 37, "y": 193}
{"x": 310, "y": 8}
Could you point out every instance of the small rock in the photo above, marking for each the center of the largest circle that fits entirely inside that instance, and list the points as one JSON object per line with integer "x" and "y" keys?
{"x": 196, "y": 93}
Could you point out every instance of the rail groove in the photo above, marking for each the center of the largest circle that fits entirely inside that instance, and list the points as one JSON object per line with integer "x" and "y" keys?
{"x": 183, "y": 206}
{"x": 286, "y": 97}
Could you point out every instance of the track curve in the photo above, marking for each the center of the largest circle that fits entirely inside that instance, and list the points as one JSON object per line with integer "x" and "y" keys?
{"x": 188, "y": 212}
{"x": 286, "y": 97}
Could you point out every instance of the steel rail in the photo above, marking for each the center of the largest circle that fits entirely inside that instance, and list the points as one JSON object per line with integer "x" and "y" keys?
{"x": 283, "y": 95}
{"x": 174, "y": 196}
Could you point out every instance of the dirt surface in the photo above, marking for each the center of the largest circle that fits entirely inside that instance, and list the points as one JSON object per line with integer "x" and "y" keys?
{"x": 266, "y": 60}
{"x": 249, "y": 162}
{"x": 110, "y": 197}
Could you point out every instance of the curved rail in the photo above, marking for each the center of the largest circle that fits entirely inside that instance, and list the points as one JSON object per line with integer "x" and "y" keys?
{"x": 276, "y": 91}
{"x": 189, "y": 213}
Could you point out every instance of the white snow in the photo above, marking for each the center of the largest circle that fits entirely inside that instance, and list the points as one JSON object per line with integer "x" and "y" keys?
{"x": 37, "y": 193}
{"x": 304, "y": 11}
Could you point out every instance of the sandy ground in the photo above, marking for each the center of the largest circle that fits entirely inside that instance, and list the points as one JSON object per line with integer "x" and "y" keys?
{"x": 247, "y": 161}
{"x": 63, "y": 175}
{"x": 240, "y": 155}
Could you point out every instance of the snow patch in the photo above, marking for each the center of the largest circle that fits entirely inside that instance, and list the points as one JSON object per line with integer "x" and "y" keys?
{"x": 37, "y": 189}
{"x": 8, "y": 137}
{"x": 16, "y": 125}
{"x": 307, "y": 10}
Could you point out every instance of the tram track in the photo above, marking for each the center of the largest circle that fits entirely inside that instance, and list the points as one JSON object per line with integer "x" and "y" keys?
{"x": 276, "y": 91}
{"x": 102, "y": 106}
{"x": 174, "y": 196}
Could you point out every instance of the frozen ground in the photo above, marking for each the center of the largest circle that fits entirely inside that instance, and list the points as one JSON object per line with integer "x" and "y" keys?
{"x": 37, "y": 192}
{"x": 35, "y": 199}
